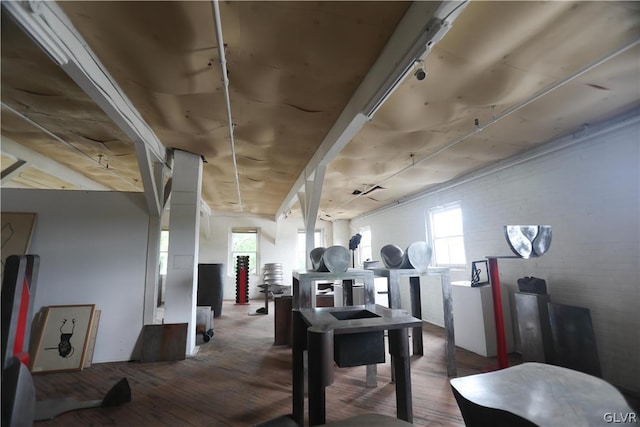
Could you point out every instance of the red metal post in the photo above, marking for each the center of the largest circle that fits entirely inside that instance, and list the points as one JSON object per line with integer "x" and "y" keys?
{"x": 494, "y": 277}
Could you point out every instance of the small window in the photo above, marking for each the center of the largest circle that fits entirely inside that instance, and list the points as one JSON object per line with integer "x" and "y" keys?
{"x": 447, "y": 237}
{"x": 244, "y": 242}
{"x": 364, "y": 250}
{"x": 301, "y": 257}
{"x": 164, "y": 251}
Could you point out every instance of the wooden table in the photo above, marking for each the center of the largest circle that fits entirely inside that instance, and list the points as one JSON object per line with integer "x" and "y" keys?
{"x": 316, "y": 330}
{"x": 393, "y": 276}
{"x": 539, "y": 394}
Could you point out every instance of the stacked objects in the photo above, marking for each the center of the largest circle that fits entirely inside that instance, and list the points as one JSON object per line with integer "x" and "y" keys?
{"x": 242, "y": 279}
{"x": 272, "y": 280}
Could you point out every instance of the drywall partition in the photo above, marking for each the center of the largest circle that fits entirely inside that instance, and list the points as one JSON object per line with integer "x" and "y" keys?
{"x": 589, "y": 193}
{"x": 277, "y": 243}
{"x": 92, "y": 248}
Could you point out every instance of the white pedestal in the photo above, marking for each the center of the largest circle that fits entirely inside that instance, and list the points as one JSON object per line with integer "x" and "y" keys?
{"x": 475, "y": 325}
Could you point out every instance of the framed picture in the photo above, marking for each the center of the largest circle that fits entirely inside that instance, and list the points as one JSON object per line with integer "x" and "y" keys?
{"x": 64, "y": 335}
{"x": 479, "y": 273}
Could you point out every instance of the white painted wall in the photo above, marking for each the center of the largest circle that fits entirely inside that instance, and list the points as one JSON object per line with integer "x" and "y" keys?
{"x": 277, "y": 244}
{"x": 590, "y": 195}
{"x": 92, "y": 248}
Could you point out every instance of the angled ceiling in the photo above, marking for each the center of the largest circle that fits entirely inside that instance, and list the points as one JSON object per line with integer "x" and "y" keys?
{"x": 292, "y": 68}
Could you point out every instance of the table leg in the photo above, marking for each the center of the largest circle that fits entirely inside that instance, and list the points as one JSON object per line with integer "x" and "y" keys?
{"x": 299, "y": 344}
{"x": 369, "y": 291}
{"x": 347, "y": 292}
{"x": 320, "y": 372}
{"x": 393, "y": 287}
{"x": 449, "y": 330}
{"x": 416, "y": 311}
{"x": 399, "y": 349}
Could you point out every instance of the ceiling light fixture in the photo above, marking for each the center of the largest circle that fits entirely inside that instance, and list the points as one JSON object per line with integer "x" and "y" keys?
{"x": 479, "y": 127}
{"x": 434, "y": 31}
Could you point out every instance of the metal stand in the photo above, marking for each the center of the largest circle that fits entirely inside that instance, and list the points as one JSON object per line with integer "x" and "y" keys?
{"x": 494, "y": 278}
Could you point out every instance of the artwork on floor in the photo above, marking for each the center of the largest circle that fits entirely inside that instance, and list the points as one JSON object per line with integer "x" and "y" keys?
{"x": 63, "y": 338}
{"x": 17, "y": 229}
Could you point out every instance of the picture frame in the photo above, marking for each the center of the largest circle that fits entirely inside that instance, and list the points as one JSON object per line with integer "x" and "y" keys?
{"x": 63, "y": 338}
{"x": 479, "y": 273}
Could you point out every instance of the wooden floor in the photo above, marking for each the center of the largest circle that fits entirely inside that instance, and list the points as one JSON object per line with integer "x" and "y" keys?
{"x": 240, "y": 378}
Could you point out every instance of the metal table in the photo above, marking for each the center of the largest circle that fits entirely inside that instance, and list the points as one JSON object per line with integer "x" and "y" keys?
{"x": 539, "y": 394}
{"x": 393, "y": 285}
{"x": 304, "y": 286}
{"x": 304, "y": 296}
{"x": 318, "y": 329}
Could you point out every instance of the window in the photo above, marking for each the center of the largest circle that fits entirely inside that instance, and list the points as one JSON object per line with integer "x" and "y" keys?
{"x": 364, "y": 250}
{"x": 301, "y": 256}
{"x": 447, "y": 236}
{"x": 244, "y": 241}
{"x": 164, "y": 251}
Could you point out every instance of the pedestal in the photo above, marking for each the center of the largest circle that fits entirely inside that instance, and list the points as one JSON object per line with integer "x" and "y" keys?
{"x": 475, "y": 323}
{"x": 393, "y": 282}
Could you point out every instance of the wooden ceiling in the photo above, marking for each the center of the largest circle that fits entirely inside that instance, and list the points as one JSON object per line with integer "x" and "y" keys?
{"x": 293, "y": 67}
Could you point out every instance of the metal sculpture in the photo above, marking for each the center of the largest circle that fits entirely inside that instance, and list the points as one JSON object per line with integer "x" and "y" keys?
{"x": 417, "y": 256}
{"x": 392, "y": 256}
{"x": 334, "y": 259}
{"x": 526, "y": 241}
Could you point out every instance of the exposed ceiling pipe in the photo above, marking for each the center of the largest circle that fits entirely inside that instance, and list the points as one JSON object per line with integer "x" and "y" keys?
{"x": 73, "y": 147}
{"x": 225, "y": 81}
{"x": 495, "y": 119}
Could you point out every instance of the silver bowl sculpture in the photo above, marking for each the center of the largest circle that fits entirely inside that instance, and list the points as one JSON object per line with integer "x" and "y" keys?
{"x": 417, "y": 256}
{"x": 392, "y": 256}
{"x": 316, "y": 257}
{"x": 528, "y": 241}
{"x": 334, "y": 259}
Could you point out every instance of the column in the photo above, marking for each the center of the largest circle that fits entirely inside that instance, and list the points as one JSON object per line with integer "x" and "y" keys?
{"x": 184, "y": 226}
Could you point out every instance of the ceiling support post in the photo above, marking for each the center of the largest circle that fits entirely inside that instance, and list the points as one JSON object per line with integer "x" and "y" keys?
{"x": 50, "y": 28}
{"x": 312, "y": 193}
{"x": 184, "y": 232}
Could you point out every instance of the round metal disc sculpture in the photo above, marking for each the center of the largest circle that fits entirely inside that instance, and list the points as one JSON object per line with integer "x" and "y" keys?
{"x": 417, "y": 256}
{"x": 392, "y": 256}
{"x": 334, "y": 259}
{"x": 316, "y": 258}
{"x": 528, "y": 241}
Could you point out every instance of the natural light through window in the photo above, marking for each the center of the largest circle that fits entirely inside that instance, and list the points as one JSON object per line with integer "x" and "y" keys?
{"x": 364, "y": 250}
{"x": 447, "y": 236}
{"x": 245, "y": 242}
{"x": 301, "y": 258}
{"x": 164, "y": 251}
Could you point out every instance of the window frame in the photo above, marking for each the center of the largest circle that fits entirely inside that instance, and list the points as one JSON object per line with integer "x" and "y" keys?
{"x": 253, "y": 269}
{"x": 431, "y": 213}
{"x": 361, "y": 246}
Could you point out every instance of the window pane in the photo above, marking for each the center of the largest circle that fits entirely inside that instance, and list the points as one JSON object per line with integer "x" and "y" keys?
{"x": 448, "y": 239}
{"x": 447, "y": 223}
{"x": 456, "y": 250}
{"x": 245, "y": 243}
{"x": 441, "y": 251}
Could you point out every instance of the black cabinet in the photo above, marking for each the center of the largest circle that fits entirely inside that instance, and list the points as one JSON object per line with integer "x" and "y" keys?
{"x": 211, "y": 286}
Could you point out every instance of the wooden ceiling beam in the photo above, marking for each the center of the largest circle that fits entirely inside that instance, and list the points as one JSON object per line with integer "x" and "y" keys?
{"x": 423, "y": 25}
{"x": 50, "y": 28}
